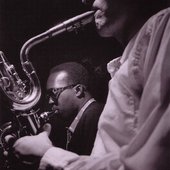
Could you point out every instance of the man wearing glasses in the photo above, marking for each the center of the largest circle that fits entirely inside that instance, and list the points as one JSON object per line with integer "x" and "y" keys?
{"x": 68, "y": 93}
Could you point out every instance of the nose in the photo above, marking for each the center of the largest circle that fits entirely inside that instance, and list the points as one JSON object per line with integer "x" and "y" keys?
{"x": 95, "y": 5}
{"x": 52, "y": 105}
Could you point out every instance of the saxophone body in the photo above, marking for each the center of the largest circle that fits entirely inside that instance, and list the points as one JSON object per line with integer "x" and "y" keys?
{"x": 24, "y": 95}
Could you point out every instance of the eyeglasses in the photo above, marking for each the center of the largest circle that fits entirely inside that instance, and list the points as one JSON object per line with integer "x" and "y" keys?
{"x": 54, "y": 93}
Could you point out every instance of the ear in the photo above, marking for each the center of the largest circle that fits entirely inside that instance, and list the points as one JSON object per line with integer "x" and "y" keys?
{"x": 79, "y": 89}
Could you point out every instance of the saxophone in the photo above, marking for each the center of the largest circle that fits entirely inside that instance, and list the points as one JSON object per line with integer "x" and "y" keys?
{"x": 24, "y": 95}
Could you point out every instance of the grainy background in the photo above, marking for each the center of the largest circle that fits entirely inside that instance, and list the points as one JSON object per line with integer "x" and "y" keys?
{"x": 21, "y": 20}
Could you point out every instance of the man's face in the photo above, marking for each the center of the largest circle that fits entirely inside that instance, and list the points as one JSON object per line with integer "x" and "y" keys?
{"x": 61, "y": 95}
{"x": 109, "y": 17}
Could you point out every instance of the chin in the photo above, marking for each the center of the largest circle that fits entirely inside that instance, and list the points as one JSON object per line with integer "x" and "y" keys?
{"x": 104, "y": 33}
{"x": 104, "y": 30}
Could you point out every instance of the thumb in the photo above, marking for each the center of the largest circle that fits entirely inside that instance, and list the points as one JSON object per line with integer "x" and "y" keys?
{"x": 47, "y": 128}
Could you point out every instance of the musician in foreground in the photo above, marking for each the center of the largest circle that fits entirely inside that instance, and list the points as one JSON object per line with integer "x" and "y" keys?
{"x": 133, "y": 130}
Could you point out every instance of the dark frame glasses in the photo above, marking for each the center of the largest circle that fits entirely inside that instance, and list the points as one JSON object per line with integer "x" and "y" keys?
{"x": 54, "y": 93}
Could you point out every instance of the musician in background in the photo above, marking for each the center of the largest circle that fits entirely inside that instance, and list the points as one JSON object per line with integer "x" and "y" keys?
{"x": 68, "y": 92}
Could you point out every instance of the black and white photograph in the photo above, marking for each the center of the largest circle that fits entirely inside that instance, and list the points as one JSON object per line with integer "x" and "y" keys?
{"x": 84, "y": 85}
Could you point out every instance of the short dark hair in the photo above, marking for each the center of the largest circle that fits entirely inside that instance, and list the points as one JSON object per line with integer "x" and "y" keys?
{"x": 77, "y": 73}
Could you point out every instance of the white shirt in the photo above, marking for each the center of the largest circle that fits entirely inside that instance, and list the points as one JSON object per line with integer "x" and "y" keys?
{"x": 139, "y": 87}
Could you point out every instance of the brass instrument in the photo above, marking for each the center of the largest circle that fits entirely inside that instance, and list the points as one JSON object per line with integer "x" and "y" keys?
{"x": 24, "y": 95}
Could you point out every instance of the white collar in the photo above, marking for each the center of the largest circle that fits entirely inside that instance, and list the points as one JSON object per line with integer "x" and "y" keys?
{"x": 79, "y": 115}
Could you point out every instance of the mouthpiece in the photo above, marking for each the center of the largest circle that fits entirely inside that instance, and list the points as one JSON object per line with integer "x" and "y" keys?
{"x": 45, "y": 116}
{"x": 73, "y": 23}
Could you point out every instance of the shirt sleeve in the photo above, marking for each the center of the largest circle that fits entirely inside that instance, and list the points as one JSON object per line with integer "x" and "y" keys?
{"x": 57, "y": 157}
{"x": 146, "y": 71}
{"x": 149, "y": 149}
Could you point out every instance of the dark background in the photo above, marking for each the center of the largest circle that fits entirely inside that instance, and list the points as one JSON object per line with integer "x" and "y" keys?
{"x": 21, "y": 20}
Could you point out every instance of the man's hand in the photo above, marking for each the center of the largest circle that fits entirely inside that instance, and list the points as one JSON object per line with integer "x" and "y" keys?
{"x": 33, "y": 145}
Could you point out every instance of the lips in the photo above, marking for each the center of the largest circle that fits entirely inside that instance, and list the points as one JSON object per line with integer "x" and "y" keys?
{"x": 99, "y": 19}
